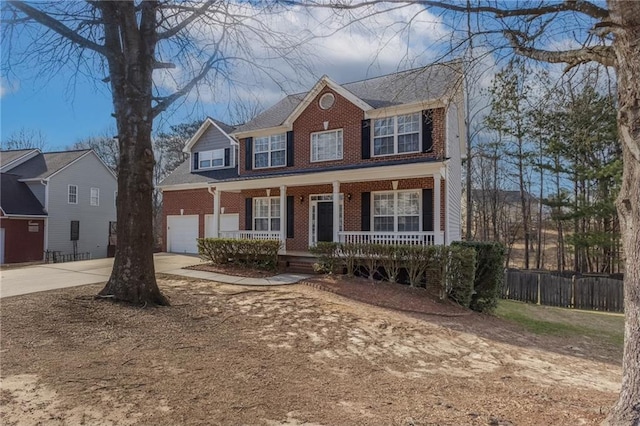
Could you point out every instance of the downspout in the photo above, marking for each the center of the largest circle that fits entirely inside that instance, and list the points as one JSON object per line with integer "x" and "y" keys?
{"x": 45, "y": 244}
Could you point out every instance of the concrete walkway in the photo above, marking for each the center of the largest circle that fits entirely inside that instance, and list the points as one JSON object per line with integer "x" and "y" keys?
{"x": 44, "y": 277}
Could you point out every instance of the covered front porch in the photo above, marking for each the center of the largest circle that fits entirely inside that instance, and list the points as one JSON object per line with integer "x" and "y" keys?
{"x": 399, "y": 204}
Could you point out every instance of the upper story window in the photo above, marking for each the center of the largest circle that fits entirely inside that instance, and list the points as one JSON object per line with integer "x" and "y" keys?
{"x": 94, "y": 199}
{"x": 397, "y": 211}
{"x": 72, "y": 194}
{"x": 269, "y": 151}
{"x": 326, "y": 146}
{"x": 266, "y": 216}
{"x": 211, "y": 159}
{"x": 396, "y": 135}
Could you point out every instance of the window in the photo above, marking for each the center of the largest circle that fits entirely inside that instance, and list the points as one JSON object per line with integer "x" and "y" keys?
{"x": 266, "y": 214}
{"x": 72, "y": 197}
{"x": 94, "y": 200}
{"x": 326, "y": 146}
{"x": 269, "y": 151}
{"x": 326, "y": 101}
{"x": 211, "y": 159}
{"x": 396, "y": 135}
{"x": 396, "y": 211}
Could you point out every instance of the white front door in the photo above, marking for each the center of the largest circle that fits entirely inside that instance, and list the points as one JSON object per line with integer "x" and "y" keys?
{"x": 182, "y": 233}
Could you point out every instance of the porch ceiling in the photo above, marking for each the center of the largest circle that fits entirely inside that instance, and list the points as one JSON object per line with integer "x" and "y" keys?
{"x": 319, "y": 177}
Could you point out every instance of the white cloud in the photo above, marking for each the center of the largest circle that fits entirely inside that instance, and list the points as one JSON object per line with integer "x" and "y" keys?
{"x": 347, "y": 47}
{"x": 7, "y": 86}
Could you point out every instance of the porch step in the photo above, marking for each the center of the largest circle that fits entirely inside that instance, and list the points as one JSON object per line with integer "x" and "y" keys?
{"x": 298, "y": 264}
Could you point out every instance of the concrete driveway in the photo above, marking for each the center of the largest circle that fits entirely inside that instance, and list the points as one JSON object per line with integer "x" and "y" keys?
{"x": 32, "y": 279}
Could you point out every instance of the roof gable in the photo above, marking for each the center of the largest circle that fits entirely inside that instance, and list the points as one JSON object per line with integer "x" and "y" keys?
{"x": 12, "y": 158}
{"x": 16, "y": 199}
{"x": 223, "y": 128}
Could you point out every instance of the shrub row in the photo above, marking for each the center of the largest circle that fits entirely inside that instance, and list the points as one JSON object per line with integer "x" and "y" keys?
{"x": 448, "y": 270}
{"x": 261, "y": 254}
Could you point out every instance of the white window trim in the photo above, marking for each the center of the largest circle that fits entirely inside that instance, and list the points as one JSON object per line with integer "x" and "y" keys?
{"x": 395, "y": 135}
{"x": 395, "y": 210}
{"x": 97, "y": 197}
{"x": 69, "y": 194}
{"x": 341, "y": 131}
{"x": 269, "y": 217}
{"x": 211, "y": 157}
{"x": 253, "y": 153}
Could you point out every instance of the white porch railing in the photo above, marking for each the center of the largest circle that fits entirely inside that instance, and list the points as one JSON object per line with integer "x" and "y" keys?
{"x": 251, "y": 235}
{"x": 373, "y": 237}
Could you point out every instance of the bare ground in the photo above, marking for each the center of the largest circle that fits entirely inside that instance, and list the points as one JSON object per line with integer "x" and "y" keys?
{"x": 285, "y": 356}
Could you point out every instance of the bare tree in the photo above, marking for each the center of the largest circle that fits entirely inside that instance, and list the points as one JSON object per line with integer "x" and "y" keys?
{"x": 25, "y": 139}
{"x": 123, "y": 43}
{"x": 105, "y": 146}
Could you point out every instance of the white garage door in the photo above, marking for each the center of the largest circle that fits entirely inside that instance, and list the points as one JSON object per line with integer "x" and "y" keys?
{"x": 182, "y": 232}
{"x": 228, "y": 222}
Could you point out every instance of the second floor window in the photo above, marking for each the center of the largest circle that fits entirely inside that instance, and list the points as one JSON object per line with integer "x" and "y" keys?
{"x": 396, "y": 135}
{"x": 95, "y": 197}
{"x": 326, "y": 146}
{"x": 270, "y": 151}
{"x": 266, "y": 215}
{"x": 211, "y": 159}
{"x": 72, "y": 197}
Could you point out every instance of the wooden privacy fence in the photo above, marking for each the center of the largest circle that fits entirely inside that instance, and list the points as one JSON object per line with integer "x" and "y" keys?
{"x": 597, "y": 293}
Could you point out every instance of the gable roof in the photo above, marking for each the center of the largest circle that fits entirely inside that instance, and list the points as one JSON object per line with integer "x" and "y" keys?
{"x": 432, "y": 82}
{"x": 16, "y": 199}
{"x": 47, "y": 164}
{"x": 13, "y": 156}
{"x": 183, "y": 175}
{"x": 224, "y": 128}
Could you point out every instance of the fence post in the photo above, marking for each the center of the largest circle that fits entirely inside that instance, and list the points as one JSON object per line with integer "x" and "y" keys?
{"x": 538, "y": 302}
{"x": 573, "y": 291}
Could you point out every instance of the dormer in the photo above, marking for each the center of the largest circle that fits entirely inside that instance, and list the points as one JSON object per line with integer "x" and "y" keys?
{"x": 211, "y": 147}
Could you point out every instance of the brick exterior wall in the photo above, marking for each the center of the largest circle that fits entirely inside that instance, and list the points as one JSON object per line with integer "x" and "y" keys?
{"x": 348, "y": 117}
{"x": 20, "y": 245}
{"x": 352, "y": 207}
{"x": 196, "y": 201}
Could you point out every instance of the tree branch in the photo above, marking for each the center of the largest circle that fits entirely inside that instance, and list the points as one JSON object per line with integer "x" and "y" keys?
{"x": 57, "y": 26}
{"x": 196, "y": 14}
{"x": 601, "y": 54}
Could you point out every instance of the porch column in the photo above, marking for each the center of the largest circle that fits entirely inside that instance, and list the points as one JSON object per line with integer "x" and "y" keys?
{"x": 336, "y": 211}
{"x": 216, "y": 213}
{"x": 436, "y": 209}
{"x": 283, "y": 216}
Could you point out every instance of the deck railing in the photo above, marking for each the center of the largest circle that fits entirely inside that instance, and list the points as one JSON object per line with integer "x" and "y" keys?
{"x": 251, "y": 235}
{"x": 373, "y": 237}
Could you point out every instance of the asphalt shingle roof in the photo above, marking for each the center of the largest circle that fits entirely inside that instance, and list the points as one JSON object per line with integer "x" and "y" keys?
{"x": 404, "y": 87}
{"x": 182, "y": 174}
{"x": 16, "y": 198}
{"x": 44, "y": 165}
{"x": 8, "y": 156}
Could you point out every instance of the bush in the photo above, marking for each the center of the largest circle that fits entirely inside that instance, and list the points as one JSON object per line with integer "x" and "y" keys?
{"x": 436, "y": 262}
{"x": 350, "y": 254}
{"x": 392, "y": 258}
{"x": 372, "y": 255}
{"x": 253, "y": 253}
{"x": 416, "y": 265}
{"x": 327, "y": 253}
{"x": 460, "y": 274}
{"x": 489, "y": 275}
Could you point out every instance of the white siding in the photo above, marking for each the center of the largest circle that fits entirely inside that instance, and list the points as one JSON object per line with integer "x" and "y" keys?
{"x": 86, "y": 173}
{"x": 454, "y": 176}
{"x": 212, "y": 139}
{"x": 38, "y": 190}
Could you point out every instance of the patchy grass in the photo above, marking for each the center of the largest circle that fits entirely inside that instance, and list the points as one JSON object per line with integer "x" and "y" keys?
{"x": 547, "y": 320}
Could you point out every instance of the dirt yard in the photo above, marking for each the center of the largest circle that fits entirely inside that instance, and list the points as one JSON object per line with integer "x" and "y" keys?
{"x": 292, "y": 355}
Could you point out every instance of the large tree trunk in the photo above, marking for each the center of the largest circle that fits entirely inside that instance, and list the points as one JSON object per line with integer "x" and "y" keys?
{"x": 133, "y": 276}
{"x": 626, "y": 17}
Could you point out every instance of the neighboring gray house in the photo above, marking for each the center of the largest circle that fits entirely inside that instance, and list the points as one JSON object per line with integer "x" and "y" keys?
{"x": 77, "y": 191}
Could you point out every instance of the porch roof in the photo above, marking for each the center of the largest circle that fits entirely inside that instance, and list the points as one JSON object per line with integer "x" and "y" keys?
{"x": 388, "y": 170}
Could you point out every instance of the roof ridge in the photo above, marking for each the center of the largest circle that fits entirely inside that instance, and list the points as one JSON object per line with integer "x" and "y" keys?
{"x": 69, "y": 150}
{"x": 403, "y": 71}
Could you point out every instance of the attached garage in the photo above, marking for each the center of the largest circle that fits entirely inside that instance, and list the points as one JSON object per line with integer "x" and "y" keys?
{"x": 182, "y": 233}
{"x": 228, "y": 222}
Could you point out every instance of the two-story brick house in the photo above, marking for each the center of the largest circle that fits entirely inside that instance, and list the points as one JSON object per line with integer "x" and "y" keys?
{"x": 377, "y": 160}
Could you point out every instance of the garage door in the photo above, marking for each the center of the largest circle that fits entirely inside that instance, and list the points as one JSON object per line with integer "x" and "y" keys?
{"x": 228, "y": 222}
{"x": 182, "y": 232}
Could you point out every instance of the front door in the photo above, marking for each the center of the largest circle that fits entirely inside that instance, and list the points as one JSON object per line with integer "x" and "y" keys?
{"x": 325, "y": 221}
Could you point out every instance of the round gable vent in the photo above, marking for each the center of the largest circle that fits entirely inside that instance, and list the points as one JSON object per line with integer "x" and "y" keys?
{"x": 327, "y": 100}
